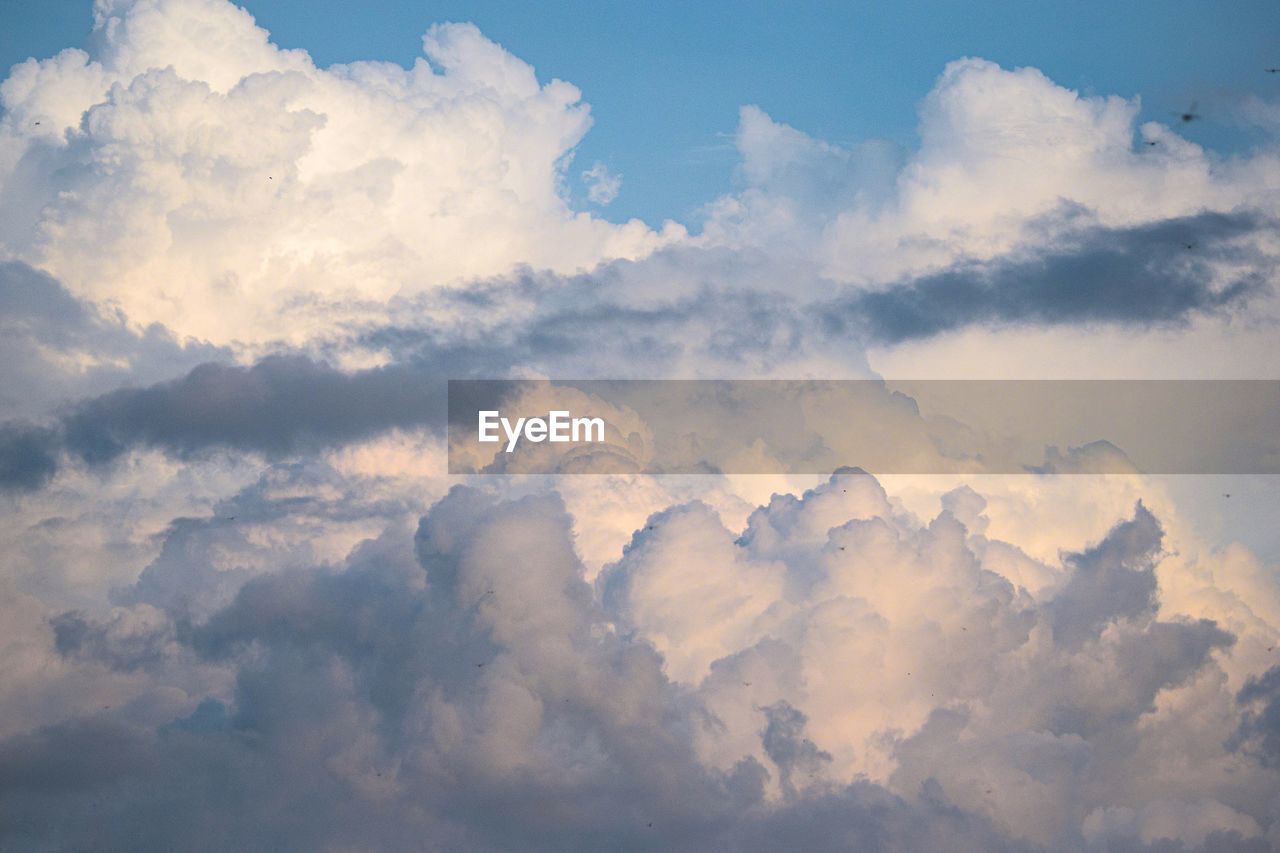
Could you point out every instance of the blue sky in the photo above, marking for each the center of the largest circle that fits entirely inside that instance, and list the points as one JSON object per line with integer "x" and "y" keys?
{"x": 665, "y": 85}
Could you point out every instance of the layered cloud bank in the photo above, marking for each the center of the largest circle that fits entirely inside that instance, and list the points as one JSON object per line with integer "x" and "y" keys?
{"x": 839, "y": 672}
{"x": 243, "y": 607}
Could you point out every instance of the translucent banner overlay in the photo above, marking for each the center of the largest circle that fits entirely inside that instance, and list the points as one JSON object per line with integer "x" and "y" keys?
{"x": 882, "y": 426}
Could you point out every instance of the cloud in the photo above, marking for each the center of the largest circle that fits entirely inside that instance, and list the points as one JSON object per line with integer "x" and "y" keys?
{"x": 292, "y": 403}
{"x": 281, "y": 405}
{"x": 28, "y": 456}
{"x": 270, "y": 186}
{"x": 372, "y": 183}
{"x": 1146, "y": 276}
{"x": 1025, "y": 206}
{"x": 1115, "y": 580}
{"x": 56, "y": 348}
{"x": 602, "y": 185}
{"x": 288, "y": 406}
{"x": 252, "y": 614}
{"x": 134, "y": 638}
{"x": 1260, "y": 727}
{"x": 785, "y": 744}
{"x": 1206, "y": 825}
{"x": 464, "y": 684}
{"x": 1001, "y": 149}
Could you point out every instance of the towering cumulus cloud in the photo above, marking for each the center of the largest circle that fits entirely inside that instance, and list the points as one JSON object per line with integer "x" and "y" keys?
{"x": 195, "y": 174}
{"x": 243, "y": 607}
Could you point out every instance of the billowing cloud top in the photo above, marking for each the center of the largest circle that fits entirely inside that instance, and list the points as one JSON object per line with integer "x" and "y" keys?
{"x": 192, "y": 173}
{"x": 197, "y": 175}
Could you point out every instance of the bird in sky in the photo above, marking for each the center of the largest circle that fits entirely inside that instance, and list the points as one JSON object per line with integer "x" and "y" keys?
{"x": 1152, "y": 142}
{"x": 1190, "y": 115}
{"x": 1272, "y": 70}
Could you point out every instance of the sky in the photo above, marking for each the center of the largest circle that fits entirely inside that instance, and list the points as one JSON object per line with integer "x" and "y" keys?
{"x": 845, "y": 72}
{"x": 245, "y": 606}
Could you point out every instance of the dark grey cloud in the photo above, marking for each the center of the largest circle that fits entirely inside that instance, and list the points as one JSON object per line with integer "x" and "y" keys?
{"x": 78, "y": 636}
{"x": 278, "y": 406}
{"x": 1259, "y": 731}
{"x": 785, "y": 743}
{"x": 28, "y": 455}
{"x": 1157, "y": 274}
{"x": 1113, "y": 580}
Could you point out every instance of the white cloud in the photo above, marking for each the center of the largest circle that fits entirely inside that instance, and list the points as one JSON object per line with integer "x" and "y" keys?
{"x": 602, "y": 185}
{"x": 1008, "y": 163}
{"x": 225, "y": 188}
{"x": 1000, "y": 151}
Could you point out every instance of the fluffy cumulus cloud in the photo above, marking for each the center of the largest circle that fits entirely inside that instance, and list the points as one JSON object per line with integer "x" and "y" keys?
{"x": 235, "y": 192}
{"x": 839, "y": 670}
{"x": 195, "y": 174}
{"x": 242, "y": 607}
{"x": 1006, "y": 159}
